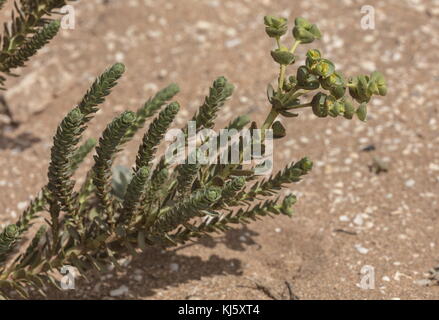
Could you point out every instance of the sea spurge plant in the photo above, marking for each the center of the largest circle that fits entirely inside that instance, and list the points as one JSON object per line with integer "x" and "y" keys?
{"x": 121, "y": 211}
{"x": 29, "y": 30}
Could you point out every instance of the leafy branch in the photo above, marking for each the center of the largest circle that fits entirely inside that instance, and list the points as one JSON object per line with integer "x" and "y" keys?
{"x": 29, "y": 30}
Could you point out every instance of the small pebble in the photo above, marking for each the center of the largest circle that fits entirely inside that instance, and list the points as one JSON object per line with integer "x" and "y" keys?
{"x": 358, "y": 220}
{"x": 120, "y": 56}
{"x": 423, "y": 282}
{"x": 124, "y": 262}
{"x": 122, "y": 290}
{"x": 410, "y": 183}
{"x": 138, "y": 277}
{"x": 232, "y": 43}
{"x": 174, "y": 267}
{"x": 361, "y": 249}
{"x": 22, "y": 205}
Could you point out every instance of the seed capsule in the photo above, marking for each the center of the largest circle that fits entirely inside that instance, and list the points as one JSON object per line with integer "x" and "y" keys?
{"x": 307, "y": 80}
{"x": 379, "y": 82}
{"x": 283, "y": 56}
{"x": 349, "y": 109}
{"x": 323, "y": 68}
{"x": 275, "y": 27}
{"x": 318, "y": 104}
{"x": 305, "y": 32}
{"x": 362, "y": 112}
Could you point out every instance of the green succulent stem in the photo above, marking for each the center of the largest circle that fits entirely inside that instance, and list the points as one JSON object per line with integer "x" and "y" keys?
{"x": 271, "y": 117}
{"x": 82, "y": 152}
{"x": 31, "y": 212}
{"x": 158, "y": 179}
{"x": 155, "y": 135}
{"x": 182, "y": 212}
{"x": 61, "y": 183}
{"x": 150, "y": 108}
{"x": 300, "y": 106}
{"x": 105, "y": 152}
{"x": 295, "y": 45}
{"x": 281, "y": 79}
{"x": 8, "y": 238}
{"x": 224, "y": 222}
{"x": 30, "y": 47}
{"x": 134, "y": 194}
{"x": 30, "y": 29}
{"x": 220, "y": 91}
{"x": 282, "y": 70}
{"x": 100, "y": 88}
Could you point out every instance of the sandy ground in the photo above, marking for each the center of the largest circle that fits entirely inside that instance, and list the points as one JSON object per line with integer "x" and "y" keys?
{"x": 347, "y": 217}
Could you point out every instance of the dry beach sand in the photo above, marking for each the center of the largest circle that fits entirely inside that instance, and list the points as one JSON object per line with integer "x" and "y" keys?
{"x": 347, "y": 216}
